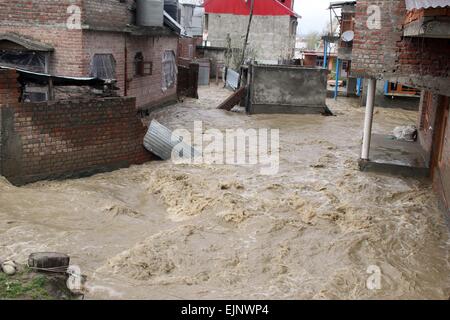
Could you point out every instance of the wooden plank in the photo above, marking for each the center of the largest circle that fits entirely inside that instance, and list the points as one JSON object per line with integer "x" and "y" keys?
{"x": 233, "y": 100}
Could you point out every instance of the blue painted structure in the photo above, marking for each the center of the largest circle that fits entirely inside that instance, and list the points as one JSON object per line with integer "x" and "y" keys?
{"x": 336, "y": 86}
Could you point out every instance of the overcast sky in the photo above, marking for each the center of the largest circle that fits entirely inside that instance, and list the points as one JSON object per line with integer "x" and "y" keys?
{"x": 315, "y": 15}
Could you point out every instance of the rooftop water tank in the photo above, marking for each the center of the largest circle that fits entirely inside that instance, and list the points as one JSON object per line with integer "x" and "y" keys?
{"x": 171, "y": 7}
{"x": 149, "y": 13}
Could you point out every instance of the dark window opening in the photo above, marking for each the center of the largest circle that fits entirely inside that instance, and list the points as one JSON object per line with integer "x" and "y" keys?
{"x": 142, "y": 67}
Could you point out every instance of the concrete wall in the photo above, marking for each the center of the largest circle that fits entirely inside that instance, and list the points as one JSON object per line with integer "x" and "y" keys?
{"x": 286, "y": 89}
{"x": 270, "y": 37}
{"x": 64, "y": 139}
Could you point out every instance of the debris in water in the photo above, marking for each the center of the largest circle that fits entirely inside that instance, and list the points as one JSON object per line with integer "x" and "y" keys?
{"x": 9, "y": 267}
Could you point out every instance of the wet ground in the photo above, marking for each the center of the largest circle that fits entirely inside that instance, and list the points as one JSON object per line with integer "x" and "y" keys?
{"x": 214, "y": 231}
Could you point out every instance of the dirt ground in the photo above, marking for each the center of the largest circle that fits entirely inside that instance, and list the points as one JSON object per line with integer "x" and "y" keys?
{"x": 164, "y": 231}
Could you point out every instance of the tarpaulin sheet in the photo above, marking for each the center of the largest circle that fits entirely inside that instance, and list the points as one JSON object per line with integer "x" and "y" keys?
{"x": 424, "y": 4}
{"x": 169, "y": 70}
{"x": 103, "y": 66}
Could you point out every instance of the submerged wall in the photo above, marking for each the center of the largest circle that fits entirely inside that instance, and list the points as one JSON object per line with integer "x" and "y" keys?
{"x": 63, "y": 139}
{"x": 287, "y": 89}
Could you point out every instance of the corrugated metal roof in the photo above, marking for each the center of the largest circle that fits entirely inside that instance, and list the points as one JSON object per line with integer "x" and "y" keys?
{"x": 242, "y": 7}
{"x": 160, "y": 141}
{"x": 424, "y": 4}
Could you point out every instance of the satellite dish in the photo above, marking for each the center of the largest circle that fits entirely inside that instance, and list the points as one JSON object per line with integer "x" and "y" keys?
{"x": 348, "y": 36}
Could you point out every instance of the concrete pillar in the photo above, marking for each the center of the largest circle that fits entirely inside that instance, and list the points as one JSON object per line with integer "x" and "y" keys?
{"x": 368, "y": 119}
{"x": 336, "y": 85}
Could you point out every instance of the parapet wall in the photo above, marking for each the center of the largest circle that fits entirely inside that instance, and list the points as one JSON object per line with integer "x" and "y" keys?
{"x": 287, "y": 89}
{"x": 64, "y": 139}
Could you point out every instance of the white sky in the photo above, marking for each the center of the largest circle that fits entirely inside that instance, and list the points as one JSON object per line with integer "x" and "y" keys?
{"x": 315, "y": 15}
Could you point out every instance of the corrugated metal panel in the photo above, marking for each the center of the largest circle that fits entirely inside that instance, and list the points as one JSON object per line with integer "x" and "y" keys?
{"x": 204, "y": 72}
{"x": 160, "y": 142}
{"x": 232, "y": 78}
{"x": 419, "y": 4}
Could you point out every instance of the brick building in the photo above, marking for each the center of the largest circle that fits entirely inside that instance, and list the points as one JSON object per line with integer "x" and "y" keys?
{"x": 408, "y": 42}
{"x": 99, "y": 38}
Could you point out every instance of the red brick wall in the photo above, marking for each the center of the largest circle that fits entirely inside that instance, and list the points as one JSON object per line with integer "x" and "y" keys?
{"x": 69, "y": 138}
{"x": 74, "y": 49}
{"x": 185, "y": 43}
{"x": 427, "y": 118}
{"x": 442, "y": 172}
{"x": 21, "y": 12}
{"x": 385, "y": 53}
{"x": 118, "y": 14}
{"x": 310, "y": 61}
{"x": 9, "y": 87}
{"x": 45, "y": 21}
{"x": 444, "y": 169}
{"x": 147, "y": 89}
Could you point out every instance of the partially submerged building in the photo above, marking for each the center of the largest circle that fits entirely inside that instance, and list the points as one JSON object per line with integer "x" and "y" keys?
{"x": 273, "y": 31}
{"x": 408, "y": 42}
{"x": 132, "y": 42}
{"x": 343, "y": 66}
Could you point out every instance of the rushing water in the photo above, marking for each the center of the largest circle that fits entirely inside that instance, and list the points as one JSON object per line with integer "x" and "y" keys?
{"x": 214, "y": 231}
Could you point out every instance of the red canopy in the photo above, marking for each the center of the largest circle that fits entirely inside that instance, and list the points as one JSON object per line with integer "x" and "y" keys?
{"x": 242, "y": 7}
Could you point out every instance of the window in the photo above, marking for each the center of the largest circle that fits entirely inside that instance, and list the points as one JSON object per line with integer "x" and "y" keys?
{"x": 319, "y": 62}
{"x": 169, "y": 70}
{"x": 103, "y": 66}
{"x": 142, "y": 67}
{"x": 139, "y": 64}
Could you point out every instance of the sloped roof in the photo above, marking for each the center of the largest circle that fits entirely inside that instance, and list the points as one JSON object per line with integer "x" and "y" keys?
{"x": 27, "y": 43}
{"x": 242, "y": 7}
{"x": 424, "y": 4}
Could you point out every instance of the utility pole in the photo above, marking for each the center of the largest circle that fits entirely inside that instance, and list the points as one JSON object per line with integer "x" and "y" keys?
{"x": 244, "y": 49}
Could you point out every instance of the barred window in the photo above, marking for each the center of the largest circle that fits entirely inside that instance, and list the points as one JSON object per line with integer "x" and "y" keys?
{"x": 142, "y": 67}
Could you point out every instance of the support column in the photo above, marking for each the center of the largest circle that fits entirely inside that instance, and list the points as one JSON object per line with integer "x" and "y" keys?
{"x": 325, "y": 54}
{"x": 371, "y": 89}
{"x": 336, "y": 85}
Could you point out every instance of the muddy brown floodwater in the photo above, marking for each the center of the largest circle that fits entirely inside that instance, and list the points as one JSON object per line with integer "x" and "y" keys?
{"x": 208, "y": 231}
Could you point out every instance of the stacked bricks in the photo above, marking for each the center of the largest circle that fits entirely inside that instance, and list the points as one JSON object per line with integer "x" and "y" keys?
{"x": 9, "y": 87}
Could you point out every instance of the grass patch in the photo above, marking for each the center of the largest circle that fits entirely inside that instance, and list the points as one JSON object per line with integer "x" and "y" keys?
{"x": 24, "y": 285}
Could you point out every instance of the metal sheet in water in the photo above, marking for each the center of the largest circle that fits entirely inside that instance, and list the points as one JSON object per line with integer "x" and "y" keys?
{"x": 204, "y": 72}
{"x": 160, "y": 141}
{"x": 232, "y": 79}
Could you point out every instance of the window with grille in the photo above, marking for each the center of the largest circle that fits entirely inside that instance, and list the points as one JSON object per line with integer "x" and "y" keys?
{"x": 142, "y": 67}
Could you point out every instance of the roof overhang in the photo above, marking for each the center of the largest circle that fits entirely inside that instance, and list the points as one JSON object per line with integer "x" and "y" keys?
{"x": 425, "y": 4}
{"x": 43, "y": 79}
{"x": 28, "y": 44}
{"x": 340, "y": 4}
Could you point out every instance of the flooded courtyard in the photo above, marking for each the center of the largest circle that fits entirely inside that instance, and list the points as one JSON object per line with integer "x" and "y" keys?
{"x": 313, "y": 231}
